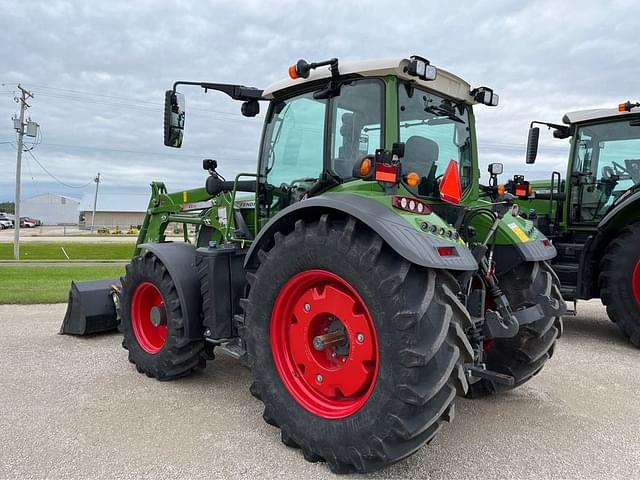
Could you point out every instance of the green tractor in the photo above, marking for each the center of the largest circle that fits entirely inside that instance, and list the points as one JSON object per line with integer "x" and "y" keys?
{"x": 361, "y": 272}
{"x": 592, "y": 215}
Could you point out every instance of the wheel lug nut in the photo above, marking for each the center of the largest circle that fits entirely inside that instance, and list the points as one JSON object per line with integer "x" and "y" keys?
{"x": 360, "y": 337}
{"x": 307, "y": 307}
{"x": 319, "y": 378}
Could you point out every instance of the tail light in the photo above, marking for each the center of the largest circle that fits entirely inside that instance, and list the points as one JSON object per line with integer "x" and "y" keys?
{"x": 411, "y": 205}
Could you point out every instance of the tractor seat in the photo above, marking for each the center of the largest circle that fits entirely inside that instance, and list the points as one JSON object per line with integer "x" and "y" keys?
{"x": 420, "y": 155}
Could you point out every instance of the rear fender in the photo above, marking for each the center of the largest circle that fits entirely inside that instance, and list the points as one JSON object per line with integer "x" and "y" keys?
{"x": 516, "y": 241}
{"x": 415, "y": 246}
{"x": 180, "y": 261}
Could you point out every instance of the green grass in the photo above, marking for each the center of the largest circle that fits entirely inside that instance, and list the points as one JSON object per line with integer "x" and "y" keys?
{"x": 76, "y": 251}
{"x": 28, "y": 285}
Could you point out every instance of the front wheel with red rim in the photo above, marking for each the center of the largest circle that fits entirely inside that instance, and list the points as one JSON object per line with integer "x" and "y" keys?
{"x": 149, "y": 317}
{"x": 152, "y": 322}
{"x": 619, "y": 282}
{"x": 356, "y": 353}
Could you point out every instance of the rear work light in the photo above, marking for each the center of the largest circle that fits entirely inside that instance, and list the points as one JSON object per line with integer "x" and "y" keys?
{"x": 411, "y": 205}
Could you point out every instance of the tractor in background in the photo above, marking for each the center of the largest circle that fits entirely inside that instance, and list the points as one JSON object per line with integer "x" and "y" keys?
{"x": 593, "y": 214}
{"x": 361, "y": 271}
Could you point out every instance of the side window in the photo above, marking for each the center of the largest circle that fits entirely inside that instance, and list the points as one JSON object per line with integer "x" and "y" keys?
{"x": 294, "y": 141}
{"x": 356, "y": 119}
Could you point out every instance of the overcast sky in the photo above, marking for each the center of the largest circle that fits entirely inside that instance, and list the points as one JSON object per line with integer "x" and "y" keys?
{"x": 98, "y": 71}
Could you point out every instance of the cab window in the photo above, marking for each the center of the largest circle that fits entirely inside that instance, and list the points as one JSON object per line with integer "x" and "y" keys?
{"x": 434, "y": 130}
{"x": 606, "y": 164}
{"x": 293, "y": 147}
{"x": 356, "y": 119}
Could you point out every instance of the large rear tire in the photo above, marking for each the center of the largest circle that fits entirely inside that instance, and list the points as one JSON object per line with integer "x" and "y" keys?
{"x": 620, "y": 282}
{"x": 153, "y": 322}
{"x": 381, "y": 393}
{"x": 524, "y": 355}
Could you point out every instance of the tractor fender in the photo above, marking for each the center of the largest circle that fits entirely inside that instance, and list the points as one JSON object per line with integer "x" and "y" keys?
{"x": 415, "y": 246}
{"x": 180, "y": 260}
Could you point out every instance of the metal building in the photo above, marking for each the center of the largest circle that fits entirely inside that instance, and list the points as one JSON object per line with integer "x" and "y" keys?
{"x": 114, "y": 210}
{"x": 51, "y": 209}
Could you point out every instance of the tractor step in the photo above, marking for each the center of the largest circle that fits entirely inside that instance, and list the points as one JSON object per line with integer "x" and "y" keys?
{"x": 568, "y": 293}
{"x": 568, "y": 252}
{"x": 478, "y": 371}
{"x": 234, "y": 348}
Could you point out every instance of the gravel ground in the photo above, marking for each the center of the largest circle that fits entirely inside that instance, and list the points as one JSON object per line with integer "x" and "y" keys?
{"x": 76, "y": 408}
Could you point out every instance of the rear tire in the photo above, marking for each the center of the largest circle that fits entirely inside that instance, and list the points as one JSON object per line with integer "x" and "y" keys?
{"x": 161, "y": 351}
{"x": 418, "y": 323}
{"x": 524, "y": 355}
{"x": 620, "y": 282}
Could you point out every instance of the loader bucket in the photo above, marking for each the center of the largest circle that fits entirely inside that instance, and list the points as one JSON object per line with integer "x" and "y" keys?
{"x": 91, "y": 308}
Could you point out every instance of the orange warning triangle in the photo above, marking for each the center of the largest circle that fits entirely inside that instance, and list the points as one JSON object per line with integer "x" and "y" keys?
{"x": 450, "y": 188}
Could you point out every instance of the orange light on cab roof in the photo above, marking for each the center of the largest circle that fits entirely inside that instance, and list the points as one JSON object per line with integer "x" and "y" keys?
{"x": 365, "y": 167}
{"x": 293, "y": 72}
{"x": 412, "y": 179}
{"x": 622, "y": 107}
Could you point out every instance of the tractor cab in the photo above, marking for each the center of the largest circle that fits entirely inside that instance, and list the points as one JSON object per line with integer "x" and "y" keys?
{"x": 604, "y": 166}
{"x": 401, "y": 125}
{"x": 598, "y": 198}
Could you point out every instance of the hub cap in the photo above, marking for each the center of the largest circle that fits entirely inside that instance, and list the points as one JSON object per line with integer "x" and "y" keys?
{"x": 149, "y": 317}
{"x": 324, "y": 344}
{"x": 635, "y": 282}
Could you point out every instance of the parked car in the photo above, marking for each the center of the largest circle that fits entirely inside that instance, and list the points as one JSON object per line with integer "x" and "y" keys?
{"x": 26, "y": 222}
{"x": 5, "y": 222}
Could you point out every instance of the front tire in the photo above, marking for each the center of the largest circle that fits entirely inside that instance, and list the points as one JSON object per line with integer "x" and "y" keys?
{"x": 620, "y": 282}
{"x": 524, "y": 355}
{"x": 153, "y": 322}
{"x": 381, "y": 393}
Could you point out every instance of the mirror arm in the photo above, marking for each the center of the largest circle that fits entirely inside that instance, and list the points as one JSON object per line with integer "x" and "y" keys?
{"x": 562, "y": 131}
{"x": 550, "y": 125}
{"x": 236, "y": 92}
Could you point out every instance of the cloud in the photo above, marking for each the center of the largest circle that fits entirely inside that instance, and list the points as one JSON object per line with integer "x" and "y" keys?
{"x": 99, "y": 71}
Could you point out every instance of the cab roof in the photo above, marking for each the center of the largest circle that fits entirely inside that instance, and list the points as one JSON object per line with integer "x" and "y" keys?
{"x": 595, "y": 114}
{"x": 445, "y": 83}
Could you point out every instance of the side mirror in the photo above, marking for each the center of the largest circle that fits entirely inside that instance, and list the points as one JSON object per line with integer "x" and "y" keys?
{"x": 532, "y": 145}
{"x": 495, "y": 168}
{"x": 174, "y": 114}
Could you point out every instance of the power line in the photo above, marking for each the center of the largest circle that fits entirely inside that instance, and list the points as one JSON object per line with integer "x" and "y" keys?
{"x": 56, "y": 178}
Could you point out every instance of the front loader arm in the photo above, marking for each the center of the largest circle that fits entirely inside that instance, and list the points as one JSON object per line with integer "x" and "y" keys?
{"x": 165, "y": 208}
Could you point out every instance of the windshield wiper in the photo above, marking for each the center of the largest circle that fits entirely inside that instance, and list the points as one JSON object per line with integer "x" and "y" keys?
{"x": 443, "y": 112}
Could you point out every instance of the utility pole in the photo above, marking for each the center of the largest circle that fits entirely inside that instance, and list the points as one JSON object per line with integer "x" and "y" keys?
{"x": 95, "y": 202}
{"x": 20, "y": 129}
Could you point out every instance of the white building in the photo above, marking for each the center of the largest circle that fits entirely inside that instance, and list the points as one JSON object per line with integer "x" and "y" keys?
{"x": 114, "y": 210}
{"x": 51, "y": 209}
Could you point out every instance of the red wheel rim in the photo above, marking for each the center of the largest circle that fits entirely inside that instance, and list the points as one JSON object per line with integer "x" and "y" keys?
{"x": 635, "y": 282}
{"x": 337, "y": 380}
{"x": 148, "y": 317}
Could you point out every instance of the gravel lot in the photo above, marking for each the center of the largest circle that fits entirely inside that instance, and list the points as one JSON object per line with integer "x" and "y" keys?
{"x": 76, "y": 408}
